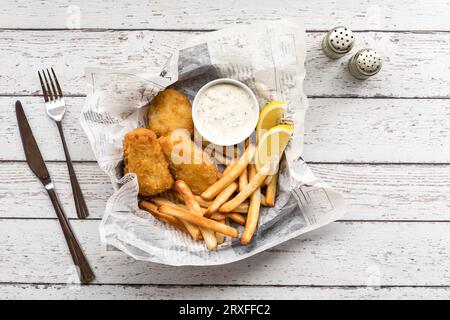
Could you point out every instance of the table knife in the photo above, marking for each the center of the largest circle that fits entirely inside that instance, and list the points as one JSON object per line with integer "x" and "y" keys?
{"x": 37, "y": 165}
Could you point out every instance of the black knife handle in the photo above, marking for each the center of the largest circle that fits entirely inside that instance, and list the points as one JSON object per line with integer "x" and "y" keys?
{"x": 85, "y": 272}
{"x": 80, "y": 204}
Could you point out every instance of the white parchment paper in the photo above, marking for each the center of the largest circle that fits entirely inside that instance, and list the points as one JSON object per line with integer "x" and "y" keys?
{"x": 269, "y": 58}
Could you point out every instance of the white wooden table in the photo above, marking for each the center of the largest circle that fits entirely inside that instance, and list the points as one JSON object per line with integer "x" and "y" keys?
{"x": 384, "y": 143}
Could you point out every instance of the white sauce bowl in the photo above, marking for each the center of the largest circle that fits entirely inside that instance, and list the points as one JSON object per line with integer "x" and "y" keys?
{"x": 218, "y": 136}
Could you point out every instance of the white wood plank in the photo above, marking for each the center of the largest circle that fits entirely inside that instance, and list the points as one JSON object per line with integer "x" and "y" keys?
{"x": 341, "y": 254}
{"x": 372, "y": 192}
{"x": 337, "y": 130}
{"x": 24, "y": 197}
{"x": 100, "y": 292}
{"x": 377, "y": 130}
{"x": 204, "y": 14}
{"x": 70, "y": 52}
{"x": 411, "y": 60}
{"x": 44, "y": 130}
{"x": 398, "y": 192}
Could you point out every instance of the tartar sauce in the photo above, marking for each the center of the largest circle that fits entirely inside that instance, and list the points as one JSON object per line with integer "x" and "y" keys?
{"x": 225, "y": 110}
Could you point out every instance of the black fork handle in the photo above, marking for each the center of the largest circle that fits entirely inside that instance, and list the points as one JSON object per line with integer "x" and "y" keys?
{"x": 79, "y": 259}
{"x": 80, "y": 204}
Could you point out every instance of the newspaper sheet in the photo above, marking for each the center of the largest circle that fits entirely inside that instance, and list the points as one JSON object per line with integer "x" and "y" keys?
{"x": 269, "y": 58}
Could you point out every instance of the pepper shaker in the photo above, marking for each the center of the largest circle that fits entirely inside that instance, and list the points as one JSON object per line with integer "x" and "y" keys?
{"x": 337, "y": 42}
{"x": 365, "y": 63}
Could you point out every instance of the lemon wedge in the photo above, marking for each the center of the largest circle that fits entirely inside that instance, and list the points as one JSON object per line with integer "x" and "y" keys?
{"x": 271, "y": 146}
{"x": 270, "y": 116}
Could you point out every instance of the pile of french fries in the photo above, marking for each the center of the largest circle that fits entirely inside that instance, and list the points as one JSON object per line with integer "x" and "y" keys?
{"x": 235, "y": 196}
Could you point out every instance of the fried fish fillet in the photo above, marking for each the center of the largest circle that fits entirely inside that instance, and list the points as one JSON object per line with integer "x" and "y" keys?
{"x": 144, "y": 157}
{"x": 188, "y": 162}
{"x": 170, "y": 110}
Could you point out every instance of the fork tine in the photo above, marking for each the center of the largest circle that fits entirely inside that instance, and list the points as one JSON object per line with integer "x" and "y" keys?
{"x": 57, "y": 83}
{"x": 44, "y": 91}
{"x": 53, "y": 85}
{"x": 48, "y": 87}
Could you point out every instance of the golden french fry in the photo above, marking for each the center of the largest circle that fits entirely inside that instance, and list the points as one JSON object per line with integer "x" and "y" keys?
{"x": 187, "y": 196}
{"x": 231, "y": 175}
{"x": 164, "y": 201}
{"x": 253, "y": 184}
{"x": 275, "y": 168}
{"x": 160, "y": 201}
{"x": 192, "y": 204}
{"x": 149, "y": 207}
{"x": 219, "y": 236}
{"x": 243, "y": 180}
{"x": 187, "y": 215}
{"x": 253, "y": 210}
{"x": 230, "y": 166}
{"x": 271, "y": 191}
{"x": 193, "y": 230}
{"x": 202, "y": 202}
{"x": 242, "y": 208}
{"x": 263, "y": 200}
{"x": 153, "y": 209}
{"x": 176, "y": 194}
{"x": 178, "y": 225}
{"x": 218, "y": 216}
{"x": 237, "y": 217}
{"x": 199, "y": 199}
{"x": 221, "y": 198}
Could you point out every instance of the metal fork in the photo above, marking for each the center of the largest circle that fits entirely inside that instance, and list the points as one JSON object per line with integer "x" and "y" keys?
{"x": 56, "y": 107}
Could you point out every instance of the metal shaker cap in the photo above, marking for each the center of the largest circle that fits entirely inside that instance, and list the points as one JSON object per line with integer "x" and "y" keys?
{"x": 365, "y": 63}
{"x": 337, "y": 42}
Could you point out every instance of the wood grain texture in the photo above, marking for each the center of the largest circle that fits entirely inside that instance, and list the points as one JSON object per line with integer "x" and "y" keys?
{"x": 70, "y": 52}
{"x": 415, "y": 65}
{"x": 337, "y": 130}
{"x": 384, "y": 192}
{"x": 349, "y": 254}
{"x": 372, "y": 192}
{"x": 100, "y": 292}
{"x": 44, "y": 130}
{"x": 206, "y": 15}
{"x": 24, "y": 197}
{"x": 345, "y": 260}
{"x": 377, "y": 130}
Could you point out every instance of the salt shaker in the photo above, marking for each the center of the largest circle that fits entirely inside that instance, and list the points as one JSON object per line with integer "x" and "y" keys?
{"x": 365, "y": 63}
{"x": 337, "y": 42}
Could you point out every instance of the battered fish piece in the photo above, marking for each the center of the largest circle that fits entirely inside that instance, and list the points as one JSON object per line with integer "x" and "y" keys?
{"x": 170, "y": 110}
{"x": 188, "y": 162}
{"x": 143, "y": 156}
